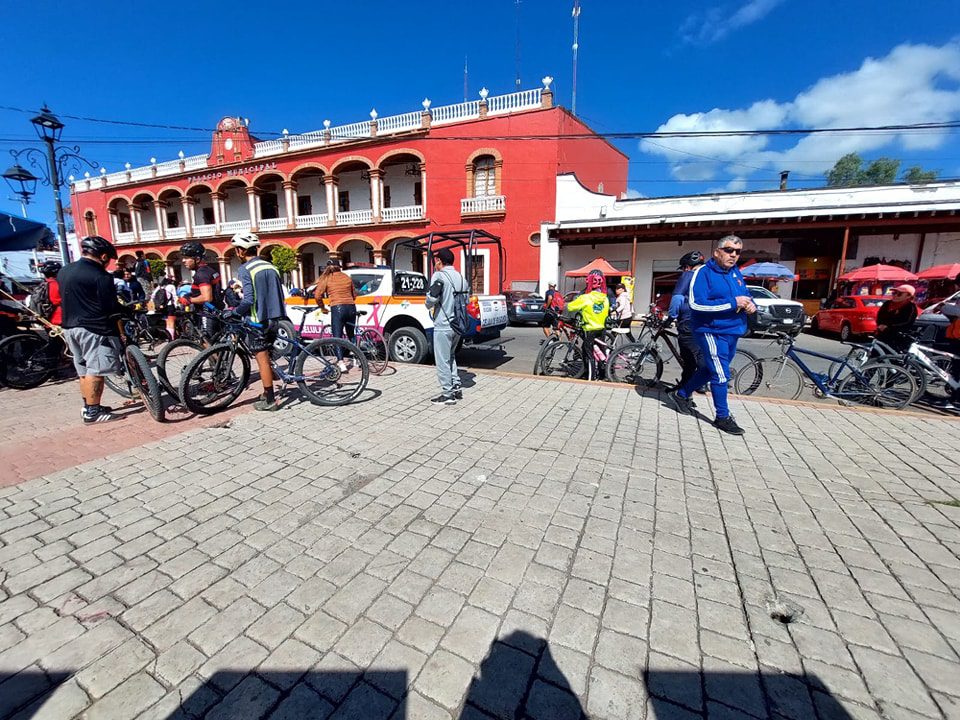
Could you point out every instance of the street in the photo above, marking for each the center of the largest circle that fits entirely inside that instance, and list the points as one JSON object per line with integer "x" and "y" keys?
{"x": 544, "y": 549}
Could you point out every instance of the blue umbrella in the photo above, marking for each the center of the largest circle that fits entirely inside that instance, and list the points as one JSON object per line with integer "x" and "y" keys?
{"x": 768, "y": 270}
{"x": 18, "y": 233}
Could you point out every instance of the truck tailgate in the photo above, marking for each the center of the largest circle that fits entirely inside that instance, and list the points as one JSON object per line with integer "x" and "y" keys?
{"x": 493, "y": 311}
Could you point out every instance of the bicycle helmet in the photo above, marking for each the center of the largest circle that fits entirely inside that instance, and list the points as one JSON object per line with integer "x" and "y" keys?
{"x": 185, "y": 291}
{"x": 245, "y": 240}
{"x": 691, "y": 259}
{"x": 596, "y": 281}
{"x": 98, "y": 246}
{"x": 192, "y": 249}
{"x": 50, "y": 268}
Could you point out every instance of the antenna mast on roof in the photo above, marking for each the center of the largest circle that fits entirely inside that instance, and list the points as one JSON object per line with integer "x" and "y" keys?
{"x": 576, "y": 47}
{"x": 517, "y": 59}
{"x": 464, "y": 78}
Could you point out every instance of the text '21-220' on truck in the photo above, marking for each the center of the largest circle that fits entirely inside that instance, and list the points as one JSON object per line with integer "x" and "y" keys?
{"x": 394, "y": 301}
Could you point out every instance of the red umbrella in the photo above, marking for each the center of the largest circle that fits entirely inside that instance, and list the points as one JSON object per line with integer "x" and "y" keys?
{"x": 879, "y": 273}
{"x": 940, "y": 272}
{"x": 598, "y": 264}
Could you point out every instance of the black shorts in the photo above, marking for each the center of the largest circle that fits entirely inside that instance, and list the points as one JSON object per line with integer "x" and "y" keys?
{"x": 549, "y": 319}
{"x": 260, "y": 339}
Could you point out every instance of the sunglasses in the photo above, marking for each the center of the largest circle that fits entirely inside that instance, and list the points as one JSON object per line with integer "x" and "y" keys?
{"x": 731, "y": 250}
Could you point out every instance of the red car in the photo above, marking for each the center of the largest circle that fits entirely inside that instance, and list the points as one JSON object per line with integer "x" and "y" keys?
{"x": 850, "y": 315}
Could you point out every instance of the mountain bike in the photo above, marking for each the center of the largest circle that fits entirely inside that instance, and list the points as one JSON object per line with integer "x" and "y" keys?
{"x": 29, "y": 359}
{"x": 563, "y": 354}
{"x": 139, "y": 330}
{"x": 328, "y": 371}
{"x": 641, "y": 362}
{"x": 368, "y": 338}
{"x": 876, "y": 384}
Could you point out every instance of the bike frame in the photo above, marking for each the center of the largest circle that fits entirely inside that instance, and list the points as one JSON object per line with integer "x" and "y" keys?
{"x": 825, "y": 383}
{"x": 920, "y": 353}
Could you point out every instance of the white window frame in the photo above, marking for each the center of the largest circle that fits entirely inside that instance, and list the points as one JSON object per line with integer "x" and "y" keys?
{"x": 485, "y": 252}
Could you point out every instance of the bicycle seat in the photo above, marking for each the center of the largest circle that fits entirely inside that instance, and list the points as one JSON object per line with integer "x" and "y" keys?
{"x": 362, "y": 312}
{"x": 863, "y": 346}
{"x": 621, "y": 331}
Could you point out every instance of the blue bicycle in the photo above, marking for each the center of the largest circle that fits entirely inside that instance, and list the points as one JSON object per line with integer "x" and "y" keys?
{"x": 876, "y": 384}
{"x": 328, "y": 371}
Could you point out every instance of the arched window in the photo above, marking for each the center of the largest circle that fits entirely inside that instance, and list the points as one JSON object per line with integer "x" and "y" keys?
{"x": 90, "y": 222}
{"x": 484, "y": 176}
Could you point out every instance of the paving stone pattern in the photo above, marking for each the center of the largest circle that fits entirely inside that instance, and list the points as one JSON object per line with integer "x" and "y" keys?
{"x": 541, "y": 550}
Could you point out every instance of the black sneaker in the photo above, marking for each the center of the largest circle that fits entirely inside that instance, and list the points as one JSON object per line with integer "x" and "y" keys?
{"x": 728, "y": 425}
{"x": 98, "y": 416}
{"x": 458, "y": 393}
{"x": 444, "y": 400}
{"x": 679, "y": 403}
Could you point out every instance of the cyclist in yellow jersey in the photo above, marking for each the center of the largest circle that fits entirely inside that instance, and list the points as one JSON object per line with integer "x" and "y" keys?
{"x": 593, "y": 307}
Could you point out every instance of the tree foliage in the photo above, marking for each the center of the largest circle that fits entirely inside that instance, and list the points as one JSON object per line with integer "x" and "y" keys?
{"x": 158, "y": 268}
{"x": 849, "y": 171}
{"x": 284, "y": 259}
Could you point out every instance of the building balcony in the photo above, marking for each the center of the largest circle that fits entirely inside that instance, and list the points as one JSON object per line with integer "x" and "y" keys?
{"x": 272, "y": 224}
{"x": 234, "y": 226}
{"x": 355, "y": 217}
{"x": 200, "y": 231}
{"x": 177, "y": 233}
{"x": 310, "y": 221}
{"x": 125, "y": 237}
{"x": 149, "y": 235}
{"x": 402, "y": 214}
{"x": 484, "y": 205}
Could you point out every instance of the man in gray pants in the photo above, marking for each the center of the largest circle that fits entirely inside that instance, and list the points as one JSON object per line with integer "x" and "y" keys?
{"x": 445, "y": 281}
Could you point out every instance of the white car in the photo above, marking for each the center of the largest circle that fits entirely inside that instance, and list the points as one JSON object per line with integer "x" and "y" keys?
{"x": 774, "y": 314}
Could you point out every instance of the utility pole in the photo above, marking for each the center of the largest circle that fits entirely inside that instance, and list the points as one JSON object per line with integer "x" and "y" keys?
{"x": 464, "y": 78}
{"x": 576, "y": 47}
{"x": 517, "y": 58}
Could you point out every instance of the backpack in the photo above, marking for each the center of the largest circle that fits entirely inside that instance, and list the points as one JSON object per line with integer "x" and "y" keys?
{"x": 161, "y": 300}
{"x": 40, "y": 301}
{"x": 556, "y": 302}
{"x": 460, "y": 322}
{"x": 141, "y": 269}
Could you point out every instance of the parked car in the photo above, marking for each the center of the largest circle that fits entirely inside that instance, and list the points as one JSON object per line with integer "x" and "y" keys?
{"x": 849, "y": 315}
{"x": 523, "y": 306}
{"x": 774, "y": 314}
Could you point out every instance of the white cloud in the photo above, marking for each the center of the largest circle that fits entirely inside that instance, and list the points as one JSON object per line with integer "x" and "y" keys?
{"x": 912, "y": 84}
{"x": 718, "y": 22}
{"x": 633, "y": 194}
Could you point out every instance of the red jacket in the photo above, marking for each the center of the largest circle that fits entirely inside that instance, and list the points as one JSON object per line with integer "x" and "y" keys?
{"x": 54, "y": 292}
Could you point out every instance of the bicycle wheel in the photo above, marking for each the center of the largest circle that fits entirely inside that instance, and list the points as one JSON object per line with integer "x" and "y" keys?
{"x": 282, "y": 343}
{"x": 771, "y": 377}
{"x": 879, "y": 385}
{"x": 331, "y": 371}
{"x": 141, "y": 377}
{"x": 636, "y": 364}
{"x": 119, "y": 382}
{"x": 934, "y": 385}
{"x": 172, "y": 363}
{"x": 911, "y": 365}
{"x": 374, "y": 348}
{"x": 741, "y": 358}
{"x": 538, "y": 361}
{"x": 25, "y": 361}
{"x": 563, "y": 359}
{"x": 214, "y": 379}
{"x": 857, "y": 357}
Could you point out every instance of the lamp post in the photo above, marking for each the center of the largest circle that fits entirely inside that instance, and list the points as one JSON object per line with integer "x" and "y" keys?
{"x": 51, "y": 164}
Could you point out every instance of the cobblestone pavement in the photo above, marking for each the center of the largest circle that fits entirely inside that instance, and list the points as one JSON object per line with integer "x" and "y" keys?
{"x": 541, "y": 550}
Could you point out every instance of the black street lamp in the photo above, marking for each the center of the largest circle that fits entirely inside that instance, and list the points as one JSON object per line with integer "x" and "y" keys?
{"x": 51, "y": 164}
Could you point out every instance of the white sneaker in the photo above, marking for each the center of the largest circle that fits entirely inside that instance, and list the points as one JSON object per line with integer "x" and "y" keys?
{"x": 342, "y": 365}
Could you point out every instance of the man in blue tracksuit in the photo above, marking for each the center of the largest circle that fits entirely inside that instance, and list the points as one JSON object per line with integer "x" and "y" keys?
{"x": 719, "y": 305}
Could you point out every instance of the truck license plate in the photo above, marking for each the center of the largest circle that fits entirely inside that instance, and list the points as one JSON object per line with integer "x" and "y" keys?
{"x": 788, "y": 321}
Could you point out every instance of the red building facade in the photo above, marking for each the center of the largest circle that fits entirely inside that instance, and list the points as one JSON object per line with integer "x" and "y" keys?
{"x": 352, "y": 191}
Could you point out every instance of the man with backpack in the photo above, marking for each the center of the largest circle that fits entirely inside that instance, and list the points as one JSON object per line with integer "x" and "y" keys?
{"x": 141, "y": 271}
{"x": 45, "y": 299}
{"x": 447, "y": 296}
{"x": 553, "y": 306}
{"x": 164, "y": 299}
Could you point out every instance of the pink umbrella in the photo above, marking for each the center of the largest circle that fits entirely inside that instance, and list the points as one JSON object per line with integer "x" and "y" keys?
{"x": 879, "y": 273}
{"x": 940, "y": 272}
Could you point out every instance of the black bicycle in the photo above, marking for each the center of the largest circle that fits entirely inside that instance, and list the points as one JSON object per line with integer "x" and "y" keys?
{"x": 641, "y": 363}
{"x": 328, "y": 371}
{"x": 29, "y": 359}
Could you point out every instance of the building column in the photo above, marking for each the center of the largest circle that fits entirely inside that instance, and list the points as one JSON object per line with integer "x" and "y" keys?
{"x": 376, "y": 198}
{"x": 333, "y": 198}
{"x": 297, "y": 273}
{"x": 186, "y": 205}
{"x": 114, "y": 223}
{"x": 158, "y": 206}
{"x": 172, "y": 271}
{"x": 423, "y": 188}
{"x": 253, "y": 206}
{"x": 217, "y": 199}
{"x": 224, "y": 270}
{"x": 290, "y": 193}
{"x": 135, "y": 221}
{"x": 378, "y": 257}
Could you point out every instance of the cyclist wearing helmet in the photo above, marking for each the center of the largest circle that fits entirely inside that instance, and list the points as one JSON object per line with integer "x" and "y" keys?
{"x": 679, "y": 312}
{"x": 49, "y": 270}
{"x": 593, "y": 307}
{"x": 90, "y": 313}
{"x": 206, "y": 283}
{"x": 263, "y": 302}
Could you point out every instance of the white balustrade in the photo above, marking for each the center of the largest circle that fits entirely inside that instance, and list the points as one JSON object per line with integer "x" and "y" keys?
{"x": 400, "y": 214}
{"x": 310, "y": 139}
{"x": 399, "y": 123}
{"x": 310, "y": 221}
{"x": 355, "y": 217}
{"x": 195, "y": 162}
{"x": 353, "y": 130}
{"x": 177, "y": 233}
{"x": 170, "y": 167}
{"x": 149, "y": 235}
{"x": 523, "y": 100}
{"x": 453, "y": 113}
{"x": 234, "y": 226}
{"x": 124, "y": 237}
{"x": 267, "y": 147}
{"x": 204, "y": 230}
{"x": 483, "y": 204}
{"x": 272, "y": 224}
{"x": 141, "y": 173}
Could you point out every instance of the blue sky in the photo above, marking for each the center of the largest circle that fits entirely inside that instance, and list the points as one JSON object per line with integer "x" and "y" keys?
{"x": 738, "y": 64}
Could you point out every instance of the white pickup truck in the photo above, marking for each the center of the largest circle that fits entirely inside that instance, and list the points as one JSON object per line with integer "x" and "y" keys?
{"x": 395, "y": 303}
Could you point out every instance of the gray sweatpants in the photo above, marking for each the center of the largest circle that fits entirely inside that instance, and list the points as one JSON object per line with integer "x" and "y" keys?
{"x": 444, "y": 341}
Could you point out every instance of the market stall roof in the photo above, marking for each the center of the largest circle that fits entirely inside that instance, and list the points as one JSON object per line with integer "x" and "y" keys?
{"x": 940, "y": 272}
{"x": 767, "y": 270}
{"x": 598, "y": 264}
{"x": 18, "y": 233}
{"x": 879, "y": 273}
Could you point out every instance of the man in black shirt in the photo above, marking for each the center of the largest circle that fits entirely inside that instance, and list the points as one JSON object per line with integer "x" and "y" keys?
{"x": 90, "y": 314}
{"x": 206, "y": 286}
{"x": 896, "y": 317}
